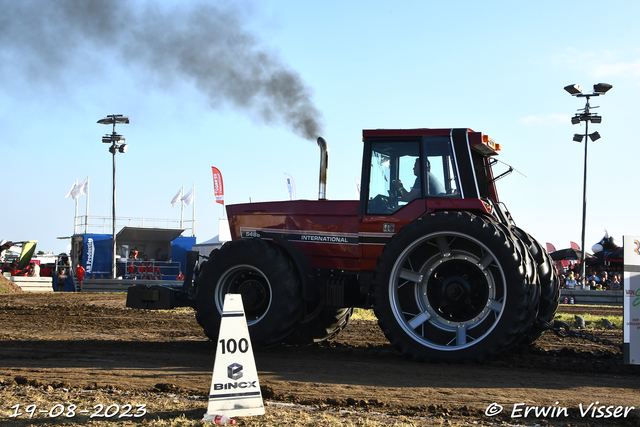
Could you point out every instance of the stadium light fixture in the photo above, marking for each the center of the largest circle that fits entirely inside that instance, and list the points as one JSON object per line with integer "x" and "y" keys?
{"x": 601, "y": 88}
{"x": 113, "y": 119}
{"x": 573, "y": 89}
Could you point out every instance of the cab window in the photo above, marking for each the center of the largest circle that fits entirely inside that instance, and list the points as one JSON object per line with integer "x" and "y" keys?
{"x": 393, "y": 168}
{"x": 442, "y": 179}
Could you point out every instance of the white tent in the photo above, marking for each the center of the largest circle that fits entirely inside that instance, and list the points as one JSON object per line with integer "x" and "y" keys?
{"x": 205, "y": 248}
{"x": 224, "y": 235}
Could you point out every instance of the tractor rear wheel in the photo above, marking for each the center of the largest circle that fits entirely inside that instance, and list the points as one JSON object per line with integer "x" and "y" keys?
{"x": 269, "y": 285}
{"x": 549, "y": 288}
{"x": 524, "y": 245}
{"x": 550, "y": 296}
{"x": 321, "y": 324}
{"x": 451, "y": 287}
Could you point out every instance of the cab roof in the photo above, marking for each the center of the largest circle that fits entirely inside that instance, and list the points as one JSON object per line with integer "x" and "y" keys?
{"x": 477, "y": 140}
{"x": 381, "y": 133}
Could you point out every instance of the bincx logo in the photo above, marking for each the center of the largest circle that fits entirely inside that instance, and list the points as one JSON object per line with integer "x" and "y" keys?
{"x": 234, "y": 371}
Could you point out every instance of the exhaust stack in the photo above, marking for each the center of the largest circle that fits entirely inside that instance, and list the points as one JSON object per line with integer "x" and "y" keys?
{"x": 324, "y": 167}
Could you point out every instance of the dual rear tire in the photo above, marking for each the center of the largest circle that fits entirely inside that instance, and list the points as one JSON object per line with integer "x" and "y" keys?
{"x": 453, "y": 287}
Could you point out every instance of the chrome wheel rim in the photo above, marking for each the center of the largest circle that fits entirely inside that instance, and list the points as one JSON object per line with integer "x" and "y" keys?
{"x": 447, "y": 291}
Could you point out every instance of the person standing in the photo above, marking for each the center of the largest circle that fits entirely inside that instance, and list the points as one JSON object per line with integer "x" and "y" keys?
{"x": 606, "y": 281}
{"x": 80, "y": 272}
{"x": 61, "y": 279}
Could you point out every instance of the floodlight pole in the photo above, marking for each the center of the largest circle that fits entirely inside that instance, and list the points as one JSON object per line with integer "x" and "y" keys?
{"x": 113, "y": 149}
{"x": 586, "y": 116}
{"x": 583, "y": 268}
{"x": 114, "y": 139}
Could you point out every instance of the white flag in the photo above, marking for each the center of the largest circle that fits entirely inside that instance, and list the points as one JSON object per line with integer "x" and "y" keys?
{"x": 177, "y": 197}
{"x": 188, "y": 198}
{"x": 291, "y": 186}
{"x": 81, "y": 189}
{"x": 73, "y": 187}
{"x": 357, "y": 185}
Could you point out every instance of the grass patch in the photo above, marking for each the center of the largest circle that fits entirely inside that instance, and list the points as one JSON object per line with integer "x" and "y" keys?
{"x": 363, "y": 314}
{"x": 4, "y": 290}
{"x": 591, "y": 321}
{"x": 181, "y": 310}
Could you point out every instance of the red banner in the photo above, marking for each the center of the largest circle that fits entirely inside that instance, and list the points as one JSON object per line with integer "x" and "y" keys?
{"x": 218, "y": 188}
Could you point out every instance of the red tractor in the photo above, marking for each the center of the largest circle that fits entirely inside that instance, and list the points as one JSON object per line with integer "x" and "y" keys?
{"x": 429, "y": 246}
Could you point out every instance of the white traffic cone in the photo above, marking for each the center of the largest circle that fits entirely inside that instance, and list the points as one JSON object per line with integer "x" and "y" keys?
{"x": 235, "y": 390}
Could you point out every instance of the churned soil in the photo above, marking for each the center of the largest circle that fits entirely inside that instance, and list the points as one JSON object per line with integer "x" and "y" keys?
{"x": 92, "y": 341}
{"x": 7, "y": 285}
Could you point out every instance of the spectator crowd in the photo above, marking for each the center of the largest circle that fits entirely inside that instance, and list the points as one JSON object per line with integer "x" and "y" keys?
{"x": 598, "y": 278}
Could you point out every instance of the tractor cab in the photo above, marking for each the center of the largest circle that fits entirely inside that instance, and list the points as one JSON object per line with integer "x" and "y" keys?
{"x": 402, "y": 166}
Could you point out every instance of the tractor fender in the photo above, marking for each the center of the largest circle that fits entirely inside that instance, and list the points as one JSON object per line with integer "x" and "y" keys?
{"x": 307, "y": 279}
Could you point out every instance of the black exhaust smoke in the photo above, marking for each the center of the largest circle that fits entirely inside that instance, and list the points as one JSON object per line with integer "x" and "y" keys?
{"x": 204, "y": 44}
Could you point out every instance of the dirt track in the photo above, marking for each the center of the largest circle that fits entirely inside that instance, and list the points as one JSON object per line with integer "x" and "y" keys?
{"x": 93, "y": 341}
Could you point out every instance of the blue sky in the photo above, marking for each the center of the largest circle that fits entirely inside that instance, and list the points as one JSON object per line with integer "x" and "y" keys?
{"x": 495, "y": 67}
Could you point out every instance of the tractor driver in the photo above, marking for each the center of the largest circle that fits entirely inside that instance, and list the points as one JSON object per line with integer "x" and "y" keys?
{"x": 435, "y": 187}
